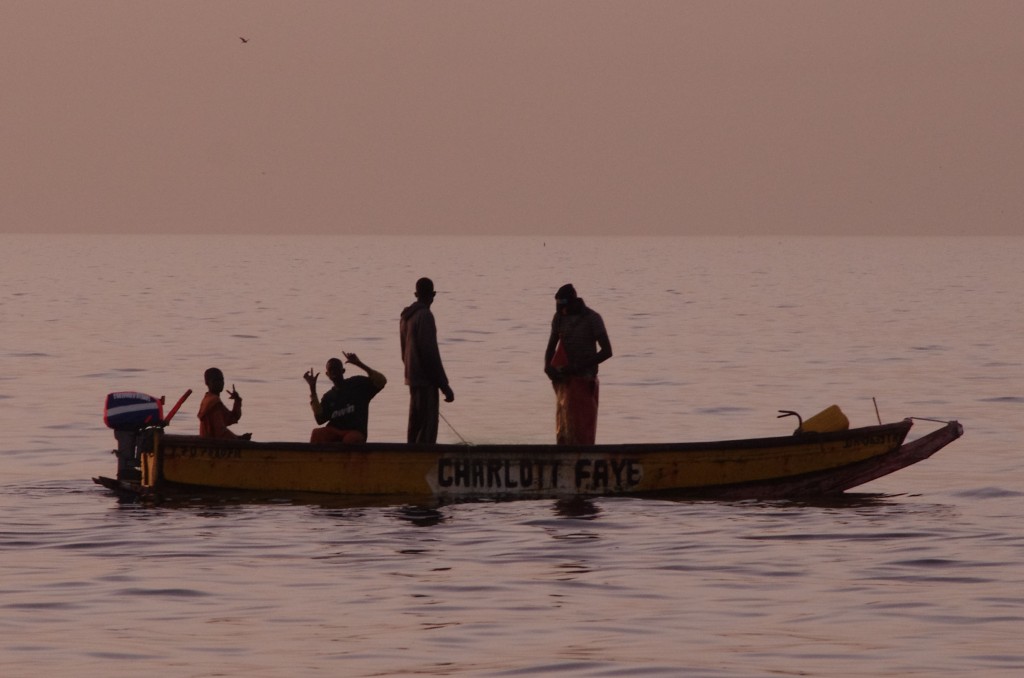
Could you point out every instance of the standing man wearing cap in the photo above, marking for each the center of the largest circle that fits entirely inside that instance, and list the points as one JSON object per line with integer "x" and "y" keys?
{"x": 571, "y": 360}
{"x": 424, "y": 372}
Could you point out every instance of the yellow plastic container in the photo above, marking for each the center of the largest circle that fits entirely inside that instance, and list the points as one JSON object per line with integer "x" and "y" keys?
{"x": 828, "y": 420}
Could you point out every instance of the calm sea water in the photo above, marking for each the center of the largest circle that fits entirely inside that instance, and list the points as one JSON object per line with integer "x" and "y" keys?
{"x": 917, "y": 574}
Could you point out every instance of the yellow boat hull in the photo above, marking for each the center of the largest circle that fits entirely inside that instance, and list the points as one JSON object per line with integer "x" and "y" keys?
{"x": 807, "y": 463}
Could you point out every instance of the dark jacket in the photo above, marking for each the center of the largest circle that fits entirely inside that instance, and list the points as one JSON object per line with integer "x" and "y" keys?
{"x": 418, "y": 335}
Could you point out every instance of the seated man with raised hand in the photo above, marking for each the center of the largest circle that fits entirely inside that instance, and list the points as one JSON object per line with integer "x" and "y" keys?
{"x": 346, "y": 407}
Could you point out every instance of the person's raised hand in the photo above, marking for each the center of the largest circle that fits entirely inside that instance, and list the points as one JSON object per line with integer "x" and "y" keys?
{"x": 311, "y": 378}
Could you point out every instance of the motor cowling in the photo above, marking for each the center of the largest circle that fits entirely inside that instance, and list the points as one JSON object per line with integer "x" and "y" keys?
{"x": 132, "y": 411}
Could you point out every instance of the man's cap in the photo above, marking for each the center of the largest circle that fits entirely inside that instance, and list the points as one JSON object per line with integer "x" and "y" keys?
{"x": 424, "y": 287}
{"x": 566, "y": 293}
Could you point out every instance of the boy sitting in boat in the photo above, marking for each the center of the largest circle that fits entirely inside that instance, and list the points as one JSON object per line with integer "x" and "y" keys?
{"x": 214, "y": 417}
{"x": 346, "y": 407}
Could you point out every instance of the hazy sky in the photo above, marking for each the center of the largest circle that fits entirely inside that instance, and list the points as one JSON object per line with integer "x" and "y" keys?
{"x": 550, "y": 117}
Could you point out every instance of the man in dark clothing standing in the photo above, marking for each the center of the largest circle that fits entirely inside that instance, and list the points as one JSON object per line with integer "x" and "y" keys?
{"x": 424, "y": 372}
{"x": 571, "y": 361}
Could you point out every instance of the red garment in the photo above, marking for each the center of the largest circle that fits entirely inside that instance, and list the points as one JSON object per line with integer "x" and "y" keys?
{"x": 576, "y": 401}
{"x": 214, "y": 417}
{"x": 329, "y": 434}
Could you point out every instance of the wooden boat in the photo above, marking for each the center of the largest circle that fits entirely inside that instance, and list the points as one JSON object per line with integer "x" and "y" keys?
{"x": 804, "y": 464}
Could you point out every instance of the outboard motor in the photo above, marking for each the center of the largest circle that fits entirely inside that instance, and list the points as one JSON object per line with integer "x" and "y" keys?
{"x": 132, "y": 415}
{"x": 129, "y": 414}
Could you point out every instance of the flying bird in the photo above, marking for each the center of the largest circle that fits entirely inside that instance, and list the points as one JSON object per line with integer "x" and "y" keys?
{"x": 244, "y": 40}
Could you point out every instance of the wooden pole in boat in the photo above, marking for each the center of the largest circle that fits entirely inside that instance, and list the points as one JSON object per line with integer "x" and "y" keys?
{"x": 877, "y": 415}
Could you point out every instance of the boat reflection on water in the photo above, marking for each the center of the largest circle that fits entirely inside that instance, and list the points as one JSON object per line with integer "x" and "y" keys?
{"x": 580, "y": 508}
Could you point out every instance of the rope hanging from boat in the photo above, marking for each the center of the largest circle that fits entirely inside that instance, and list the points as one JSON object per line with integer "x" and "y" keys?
{"x": 934, "y": 421}
{"x": 464, "y": 442}
{"x": 937, "y": 421}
